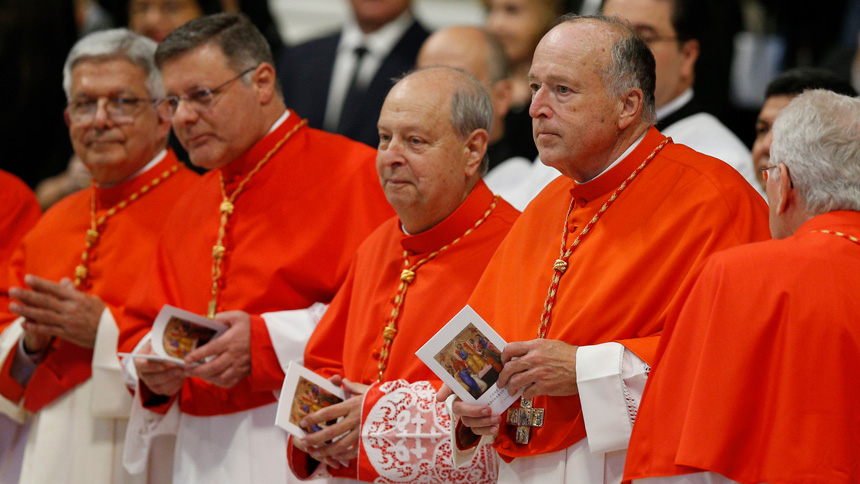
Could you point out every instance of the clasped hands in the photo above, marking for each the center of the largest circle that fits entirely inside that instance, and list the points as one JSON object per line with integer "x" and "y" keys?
{"x": 55, "y": 310}
{"x": 229, "y": 359}
{"x": 539, "y": 366}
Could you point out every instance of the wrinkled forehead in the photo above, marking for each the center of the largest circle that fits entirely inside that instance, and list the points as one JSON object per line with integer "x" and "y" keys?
{"x": 114, "y": 74}
{"x": 571, "y": 49}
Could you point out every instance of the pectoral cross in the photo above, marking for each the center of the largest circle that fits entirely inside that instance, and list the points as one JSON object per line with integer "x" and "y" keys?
{"x": 525, "y": 417}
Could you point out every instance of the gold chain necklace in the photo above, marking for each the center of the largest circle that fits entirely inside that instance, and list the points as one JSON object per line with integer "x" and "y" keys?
{"x": 406, "y": 278}
{"x": 82, "y": 271}
{"x": 840, "y": 234}
{"x": 526, "y": 416}
{"x": 226, "y": 208}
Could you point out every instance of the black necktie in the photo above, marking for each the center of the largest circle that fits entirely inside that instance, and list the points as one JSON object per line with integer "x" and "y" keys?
{"x": 352, "y": 100}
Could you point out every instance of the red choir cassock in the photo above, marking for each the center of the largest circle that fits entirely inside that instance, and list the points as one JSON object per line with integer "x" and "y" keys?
{"x": 52, "y": 250}
{"x": 756, "y": 371}
{"x": 289, "y": 241}
{"x": 19, "y": 211}
{"x": 681, "y": 208}
{"x": 348, "y": 340}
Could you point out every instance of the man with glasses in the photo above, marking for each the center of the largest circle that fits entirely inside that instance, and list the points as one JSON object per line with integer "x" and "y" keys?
{"x": 673, "y": 30}
{"x": 74, "y": 271}
{"x": 780, "y": 91}
{"x": 273, "y": 226}
{"x": 756, "y": 380}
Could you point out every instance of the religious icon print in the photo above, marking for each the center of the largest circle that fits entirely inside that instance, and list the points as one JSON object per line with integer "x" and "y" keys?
{"x": 310, "y": 398}
{"x": 303, "y": 393}
{"x": 472, "y": 359}
{"x": 182, "y": 337}
{"x": 466, "y": 354}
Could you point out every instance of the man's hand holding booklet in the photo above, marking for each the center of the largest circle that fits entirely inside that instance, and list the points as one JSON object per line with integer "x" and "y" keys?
{"x": 466, "y": 354}
{"x": 177, "y": 332}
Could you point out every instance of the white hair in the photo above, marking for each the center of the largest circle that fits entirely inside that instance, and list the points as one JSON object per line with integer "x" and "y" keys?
{"x": 116, "y": 44}
{"x": 817, "y": 137}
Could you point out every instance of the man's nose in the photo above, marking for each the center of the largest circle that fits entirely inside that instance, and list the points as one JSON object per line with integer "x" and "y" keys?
{"x": 539, "y": 106}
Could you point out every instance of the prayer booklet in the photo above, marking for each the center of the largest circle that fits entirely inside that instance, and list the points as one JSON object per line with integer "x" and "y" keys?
{"x": 177, "y": 332}
{"x": 305, "y": 392}
{"x": 467, "y": 355}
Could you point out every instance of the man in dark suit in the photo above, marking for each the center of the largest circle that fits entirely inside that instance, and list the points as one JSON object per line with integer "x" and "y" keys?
{"x": 339, "y": 82}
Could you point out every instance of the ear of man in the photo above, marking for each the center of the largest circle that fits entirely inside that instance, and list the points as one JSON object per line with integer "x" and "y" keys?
{"x": 631, "y": 108}
{"x": 787, "y": 196}
{"x": 263, "y": 80}
{"x": 690, "y": 50}
{"x": 475, "y": 148}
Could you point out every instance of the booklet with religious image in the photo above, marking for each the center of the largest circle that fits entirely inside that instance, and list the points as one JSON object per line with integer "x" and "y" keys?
{"x": 176, "y": 332}
{"x": 304, "y": 392}
{"x": 467, "y": 355}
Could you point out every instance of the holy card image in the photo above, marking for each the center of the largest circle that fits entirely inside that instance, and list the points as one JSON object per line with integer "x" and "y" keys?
{"x": 467, "y": 355}
{"x": 304, "y": 392}
{"x": 177, "y": 332}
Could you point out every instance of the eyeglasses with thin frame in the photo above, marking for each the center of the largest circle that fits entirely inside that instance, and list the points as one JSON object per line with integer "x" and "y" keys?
{"x": 764, "y": 171}
{"x": 120, "y": 109}
{"x": 200, "y": 100}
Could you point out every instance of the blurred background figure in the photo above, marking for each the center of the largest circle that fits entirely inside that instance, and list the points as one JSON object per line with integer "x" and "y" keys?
{"x": 679, "y": 34}
{"x": 480, "y": 53}
{"x": 519, "y": 25}
{"x": 157, "y": 18}
{"x": 780, "y": 92}
{"x": 339, "y": 81}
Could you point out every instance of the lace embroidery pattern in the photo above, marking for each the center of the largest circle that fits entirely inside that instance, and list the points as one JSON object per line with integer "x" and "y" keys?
{"x": 406, "y": 438}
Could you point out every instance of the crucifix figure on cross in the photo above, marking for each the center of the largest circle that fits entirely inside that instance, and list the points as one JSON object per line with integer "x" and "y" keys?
{"x": 525, "y": 417}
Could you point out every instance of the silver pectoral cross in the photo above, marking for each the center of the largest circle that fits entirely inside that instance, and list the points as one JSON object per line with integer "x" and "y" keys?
{"x": 525, "y": 417}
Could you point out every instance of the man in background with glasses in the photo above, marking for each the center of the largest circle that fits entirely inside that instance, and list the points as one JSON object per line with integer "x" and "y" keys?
{"x": 756, "y": 377}
{"x": 272, "y": 226}
{"x": 73, "y": 273}
{"x": 780, "y": 91}
{"x": 673, "y": 30}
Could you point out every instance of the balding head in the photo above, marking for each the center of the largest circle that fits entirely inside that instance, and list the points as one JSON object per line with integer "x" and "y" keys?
{"x": 478, "y": 52}
{"x": 432, "y": 144}
{"x": 468, "y": 48}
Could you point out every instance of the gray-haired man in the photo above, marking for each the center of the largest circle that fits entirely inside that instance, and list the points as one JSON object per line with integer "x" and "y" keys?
{"x": 75, "y": 268}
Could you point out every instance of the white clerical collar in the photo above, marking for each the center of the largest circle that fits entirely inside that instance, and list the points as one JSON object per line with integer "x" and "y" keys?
{"x": 160, "y": 156}
{"x": 378, "y": 43}
{"x": 279, "y": 121}
{"x": 617, "y": 160}
{"x": 675, "y": 104}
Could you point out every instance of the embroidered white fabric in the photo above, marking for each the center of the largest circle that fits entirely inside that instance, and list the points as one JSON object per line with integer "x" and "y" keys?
{"x": 406, "y": 438}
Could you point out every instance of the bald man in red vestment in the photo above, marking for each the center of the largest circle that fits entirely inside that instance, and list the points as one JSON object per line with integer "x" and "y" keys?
{"x": 579, "y": 286}
{"x": 755, "y": 381}
{"x": 271, "y": 227}
{"x": 431, "y": 157}
{"x": 72, "y": 273}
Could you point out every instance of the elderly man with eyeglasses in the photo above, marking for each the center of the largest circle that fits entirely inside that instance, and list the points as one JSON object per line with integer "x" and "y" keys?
{"x": 75, "y": 269}
{"x": 756, "y": 379}
{"x": 272, "y": 227}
